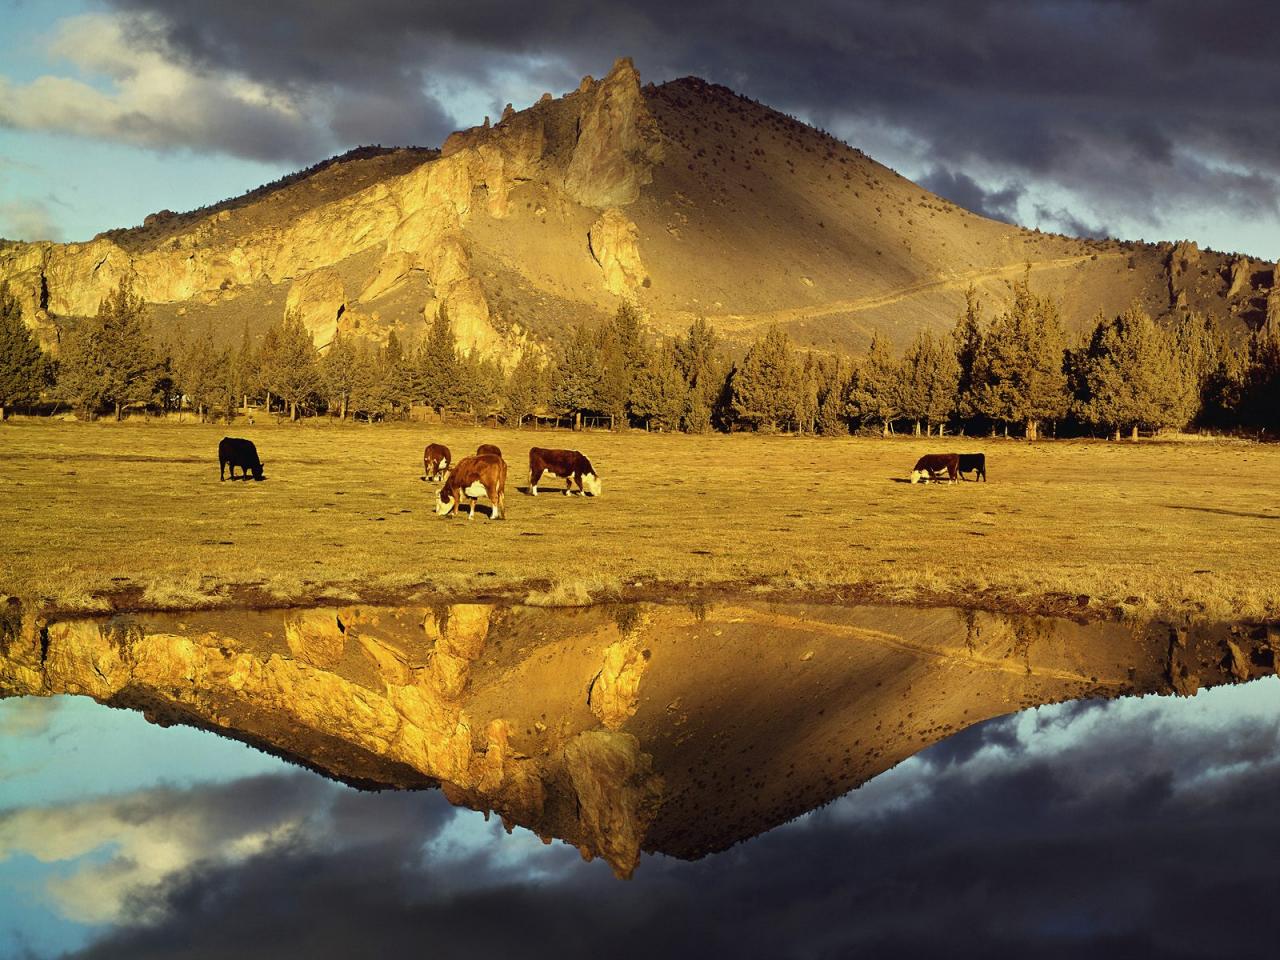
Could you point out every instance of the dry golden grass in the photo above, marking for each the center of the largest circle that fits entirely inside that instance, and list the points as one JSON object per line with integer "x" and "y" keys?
{"x": 133, "y": 515}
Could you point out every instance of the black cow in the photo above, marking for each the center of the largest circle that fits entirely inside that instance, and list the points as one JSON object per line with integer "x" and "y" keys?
{"x": 236, "y": 452}
{"x": 976, "y": 463}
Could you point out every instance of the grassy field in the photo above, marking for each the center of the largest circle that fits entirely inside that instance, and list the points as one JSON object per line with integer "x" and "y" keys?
{"x": 132, "y": 515}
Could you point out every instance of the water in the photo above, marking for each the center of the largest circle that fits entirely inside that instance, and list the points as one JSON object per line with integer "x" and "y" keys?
{"x": 668, "y": 730}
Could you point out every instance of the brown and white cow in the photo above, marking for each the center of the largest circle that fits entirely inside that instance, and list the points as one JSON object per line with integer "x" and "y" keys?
{"x": 930, "y": 465}
{"x": 570, "y": 464}
{"x": 435, "y": 461}
{"x": 475, "y": 477}
{"x": 490, "y": 449}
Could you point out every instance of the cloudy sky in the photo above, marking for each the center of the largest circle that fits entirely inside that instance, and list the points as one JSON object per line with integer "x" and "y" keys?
{"x": 1137, "y": 118}
{"x": 1142, "y": 827}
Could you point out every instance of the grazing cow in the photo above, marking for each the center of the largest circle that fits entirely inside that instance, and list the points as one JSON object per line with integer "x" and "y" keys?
{"x": 931, "y": 464}
{"x": 435, "y": 461}
{"x": 975, "y": 462}
{"x": 474, "y": 477}
{"x": 570, "y": 464}
{"x": 235, "y": 452}
{"x": 490, "y": 449}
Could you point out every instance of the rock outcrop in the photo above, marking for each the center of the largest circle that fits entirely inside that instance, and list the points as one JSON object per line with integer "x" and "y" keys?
{"x": 1183, "y": 264}
{"x": 1240, "y": 280}
{"x": 618, "y": 140}
{"x": 319, "y": 300}
{"x": 614, "y": 243}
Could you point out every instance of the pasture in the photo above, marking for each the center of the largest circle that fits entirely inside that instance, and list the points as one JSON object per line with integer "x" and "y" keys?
{"x": 132, "y": 516}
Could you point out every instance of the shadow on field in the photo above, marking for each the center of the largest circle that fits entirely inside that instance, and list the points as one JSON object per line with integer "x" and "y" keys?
{"x": 1225, "y": 513}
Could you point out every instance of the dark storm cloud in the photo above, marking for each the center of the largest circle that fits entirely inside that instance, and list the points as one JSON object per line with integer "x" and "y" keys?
{"x": 964, "y": 190}
{"x": 1139, "y": 107}
{"x": 1113, "y": 831}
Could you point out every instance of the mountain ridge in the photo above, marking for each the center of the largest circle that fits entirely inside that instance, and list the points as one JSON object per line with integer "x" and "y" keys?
{"x": 684, "y": 198}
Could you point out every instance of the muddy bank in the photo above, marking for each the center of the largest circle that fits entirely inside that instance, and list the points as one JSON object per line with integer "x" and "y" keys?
{"x": 617, "y": 728}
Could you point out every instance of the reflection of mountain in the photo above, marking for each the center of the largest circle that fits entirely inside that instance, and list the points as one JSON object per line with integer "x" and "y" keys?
{"x": 684, "y": 198}
{"x": 616, "y": 729}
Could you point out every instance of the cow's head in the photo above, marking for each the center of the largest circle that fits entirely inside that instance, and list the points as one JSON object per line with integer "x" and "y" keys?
{"x": 592, "y": 485}
{"x": 444, "y": 503}
{"x": 257, "y": 470}
{"x": 918, "y": 476}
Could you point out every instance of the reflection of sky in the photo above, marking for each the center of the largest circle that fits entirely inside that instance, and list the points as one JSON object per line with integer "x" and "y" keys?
{"x": 1134, "y": 827}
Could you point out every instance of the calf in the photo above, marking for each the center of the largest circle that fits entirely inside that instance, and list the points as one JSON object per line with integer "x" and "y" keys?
{"x": 929, "y": 466}
{"x": 435, "y": 461}
{"x": 236, "y": 452}
{"x": 490, "y": 449}
{"x": 570, "y": 464}
{"x": 474, "y": 477}
{"x": 975, "y": 463}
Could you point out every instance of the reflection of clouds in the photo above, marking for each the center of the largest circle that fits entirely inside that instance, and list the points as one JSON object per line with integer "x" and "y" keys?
{"x": 1108, "y": 829}
{"x": 26, "y": 716}
{"x": 1096, "y": 750}
{"x": 124, "y": 846}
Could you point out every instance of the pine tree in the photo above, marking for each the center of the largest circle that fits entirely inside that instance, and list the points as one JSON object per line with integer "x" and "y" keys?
{"x": 244, "y": 370}
{"x": 576, "y": 381}
{"x": 525, "y": 390}
{"x": 290, "y": 363}
{"x": 109, "y": 360}
{"x": 23, "y": 367}
{"x": 930, "y": 374}
{"x": 1133, "y": 376}
{"x": 875, "y": 389}
{"x": 370, "y": 390}
{"x": 966, "y": 340}
{"x": 764, "y": 386}
{"x": 479, "y": 384}
{"x": 703, "y": 368}
{"x": 1020, "y": 373}
{"x": 623, "y": 356}
{"x": 1202, "y": 351}
{"x": 660, "y": 392}
{"x": 808, "y": 386}
{"x": 436, "y": 366}
{"x": 201, "y": 374}
{"x": 339, "y": 374}
{"x": 398, "y": 366}
{"x": 832, "y": 419}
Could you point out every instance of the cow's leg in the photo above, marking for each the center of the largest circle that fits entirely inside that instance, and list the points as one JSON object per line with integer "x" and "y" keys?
{"x": 222, "y": 470}
{"x": 568, "y": 485}
{"x": 534, "y": 477}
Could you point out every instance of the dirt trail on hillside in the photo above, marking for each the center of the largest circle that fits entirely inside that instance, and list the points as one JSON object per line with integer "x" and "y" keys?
{"x": 858, "y": 304}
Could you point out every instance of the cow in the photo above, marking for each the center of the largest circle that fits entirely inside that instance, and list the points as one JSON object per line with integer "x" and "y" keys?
{"x": 929, "y": 466}
{"x": 474, "y": 477}
{"x": 490, "y": 449}
{"x": 236, "y": 452}
{"x": 435, "y": 461}
{"x": 570, "y": 464}
{"x": 975, "y": 463}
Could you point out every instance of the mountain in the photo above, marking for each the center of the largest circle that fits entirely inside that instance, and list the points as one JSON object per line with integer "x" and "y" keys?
{"x": 685, "y": 198}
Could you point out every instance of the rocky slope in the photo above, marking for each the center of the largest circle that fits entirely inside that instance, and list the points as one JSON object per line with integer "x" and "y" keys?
{"x": 685, "y": 199}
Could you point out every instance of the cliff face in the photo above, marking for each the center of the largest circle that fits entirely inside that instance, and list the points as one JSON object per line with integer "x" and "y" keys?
{"x": 622, "y": 730}
{"x": 684, "y": 199}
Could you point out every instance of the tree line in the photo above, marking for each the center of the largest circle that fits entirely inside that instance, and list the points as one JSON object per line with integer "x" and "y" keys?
{"x": 1015, "y": 371}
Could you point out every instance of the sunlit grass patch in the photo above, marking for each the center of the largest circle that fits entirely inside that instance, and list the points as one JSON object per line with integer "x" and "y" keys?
{"x": 127, "y": 511}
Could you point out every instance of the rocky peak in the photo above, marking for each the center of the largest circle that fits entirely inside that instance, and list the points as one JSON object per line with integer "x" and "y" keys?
{"x": 618, "y": 140}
